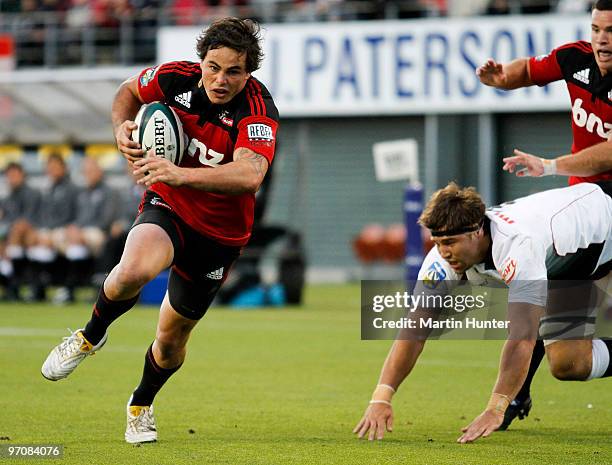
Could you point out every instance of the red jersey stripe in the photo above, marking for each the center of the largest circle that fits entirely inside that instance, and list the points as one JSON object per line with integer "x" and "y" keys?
{"x": 253, "y": 100}
{"x": 188, "y": 67}
{"x": 176, "y": 71}
{"x": 250, "y": 100}
{"x": 256, "y": 89}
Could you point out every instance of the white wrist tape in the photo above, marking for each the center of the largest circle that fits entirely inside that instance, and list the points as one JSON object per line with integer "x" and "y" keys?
{"x": 383, "y": 392}
{"x": 550, "y": 167}
{"x": 391, "y": 388}
{"x": 379, "y": 401}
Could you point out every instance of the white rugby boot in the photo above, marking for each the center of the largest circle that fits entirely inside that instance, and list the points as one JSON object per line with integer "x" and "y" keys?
{"x": 65, "y": 357}
{"x": 140, "y": 424}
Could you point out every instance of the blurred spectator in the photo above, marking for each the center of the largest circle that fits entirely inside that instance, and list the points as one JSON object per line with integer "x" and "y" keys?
{"x": 10, "y": 6}
{"x": 145, "y": 28}
{"x": 58, "y": 209}
{"x": 31, "y": 34}
{"x": 129, "y": 199}
{"x": 417, "y": 8}
{"x": 17, "y": 212}
{"x": 107, "y": 17}
{"x": 78, "y": 18}
{"x": 84, "y": 239}
{"x": 573, "y": 6}
{"x": 466, "y": 7}
{"x": 188, "y": 12}
{"x": 529, "y": 7}
{"x": 369, "y": 9}
{"x": 79, "y": 14}
{"x": 498, "y": 7}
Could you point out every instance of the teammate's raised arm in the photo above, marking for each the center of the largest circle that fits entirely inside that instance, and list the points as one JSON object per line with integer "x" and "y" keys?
{"x": 588, "y": 162}
{"x": 512, "y": 75}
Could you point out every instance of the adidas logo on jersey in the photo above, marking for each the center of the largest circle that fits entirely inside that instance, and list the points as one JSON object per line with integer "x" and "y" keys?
{"x": 582, "y": 76}
{"x": 216, "y": 275}
{"x": 184, "y": 99}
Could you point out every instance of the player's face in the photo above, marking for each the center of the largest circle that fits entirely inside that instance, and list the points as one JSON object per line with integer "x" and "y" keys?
{"x": 601, "y": 39}
{"x": 461, "y": 251}
{"x": 224, "y": 74}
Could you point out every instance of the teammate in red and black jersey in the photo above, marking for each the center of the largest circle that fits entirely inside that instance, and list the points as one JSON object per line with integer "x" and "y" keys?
{"x": 194, "y": 217}
{"x": 587, "y": 70}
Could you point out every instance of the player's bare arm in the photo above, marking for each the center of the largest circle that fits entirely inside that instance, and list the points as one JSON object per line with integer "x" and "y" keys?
{"x": 588, "y": 162}
{"x": 513, "y": 368}
{"x": 507, "y": 76}
{"x": 243, "y": 175}
{"x": 257, "y": 163}
{"x": 126, "y": 104}
{"x": 378, "y": 417}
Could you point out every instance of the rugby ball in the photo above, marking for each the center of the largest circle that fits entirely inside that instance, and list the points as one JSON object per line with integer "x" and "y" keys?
{"x": 159, "y": 128}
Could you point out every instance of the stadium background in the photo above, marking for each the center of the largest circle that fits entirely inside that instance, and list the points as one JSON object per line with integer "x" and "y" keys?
{"x": 324, "y": 185}
{"x": 61, "y": 65}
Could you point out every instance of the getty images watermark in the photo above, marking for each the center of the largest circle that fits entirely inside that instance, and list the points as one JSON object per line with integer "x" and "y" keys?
{"x": 461, "y": 310}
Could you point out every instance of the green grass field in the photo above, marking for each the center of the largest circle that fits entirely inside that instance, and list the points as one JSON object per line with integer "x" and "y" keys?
{"x": 280, "y": 387}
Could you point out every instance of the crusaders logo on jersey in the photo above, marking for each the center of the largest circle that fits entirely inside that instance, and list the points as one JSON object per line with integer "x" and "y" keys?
{"x": 148, "y": 76}
{"x": 508, "y": 270}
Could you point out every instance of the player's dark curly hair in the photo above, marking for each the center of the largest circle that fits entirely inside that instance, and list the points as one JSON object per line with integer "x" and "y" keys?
{"x": 242, "y": 35}
{"x": 602, "y": 5}
{"x": 453, "y": 208}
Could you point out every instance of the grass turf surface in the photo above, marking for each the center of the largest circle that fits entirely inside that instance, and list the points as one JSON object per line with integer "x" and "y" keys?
{"x": 280, "y": 387}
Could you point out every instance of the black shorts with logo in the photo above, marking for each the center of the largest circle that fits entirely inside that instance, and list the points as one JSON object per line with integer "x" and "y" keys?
{"x": 200, "y": 264}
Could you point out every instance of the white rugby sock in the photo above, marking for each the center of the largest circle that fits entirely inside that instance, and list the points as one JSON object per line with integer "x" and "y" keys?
{"x": 42, "y": 254}
{"x": 77, "y": 252}
{"x": 601, "y": 359}
{"x": 6, "y": 268}
{"x": 14, "y": 251}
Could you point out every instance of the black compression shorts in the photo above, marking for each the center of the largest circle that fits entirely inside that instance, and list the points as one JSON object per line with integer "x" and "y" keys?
{"x": 200, "y": 264}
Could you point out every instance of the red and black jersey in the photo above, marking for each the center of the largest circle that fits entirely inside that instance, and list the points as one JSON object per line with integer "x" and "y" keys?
{"x": 249, "y": 120}
{"x": 590, "y": 94}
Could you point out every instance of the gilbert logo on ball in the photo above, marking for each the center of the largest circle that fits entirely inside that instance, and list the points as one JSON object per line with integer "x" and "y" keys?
{"x": 159, "y": 128}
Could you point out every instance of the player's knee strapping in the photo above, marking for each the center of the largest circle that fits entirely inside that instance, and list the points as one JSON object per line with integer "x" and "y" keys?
{"x": 568, "y": 325}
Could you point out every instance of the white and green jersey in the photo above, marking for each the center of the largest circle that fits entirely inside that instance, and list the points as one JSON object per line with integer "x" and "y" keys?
{"x": 543, "y": 236}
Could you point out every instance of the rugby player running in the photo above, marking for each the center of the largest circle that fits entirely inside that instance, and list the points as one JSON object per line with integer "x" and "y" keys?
{"x": 194, "y": 218}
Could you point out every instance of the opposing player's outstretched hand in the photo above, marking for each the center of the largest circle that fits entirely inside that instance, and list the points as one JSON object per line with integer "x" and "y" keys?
{"x": 492, "y": 73}
{"x": 376, "y": 419}
{"x": 152, "y": 169}
{"x": 533, "y": 166}
{"x": 482, "y": 426}
{"x": 123, "y": 135}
